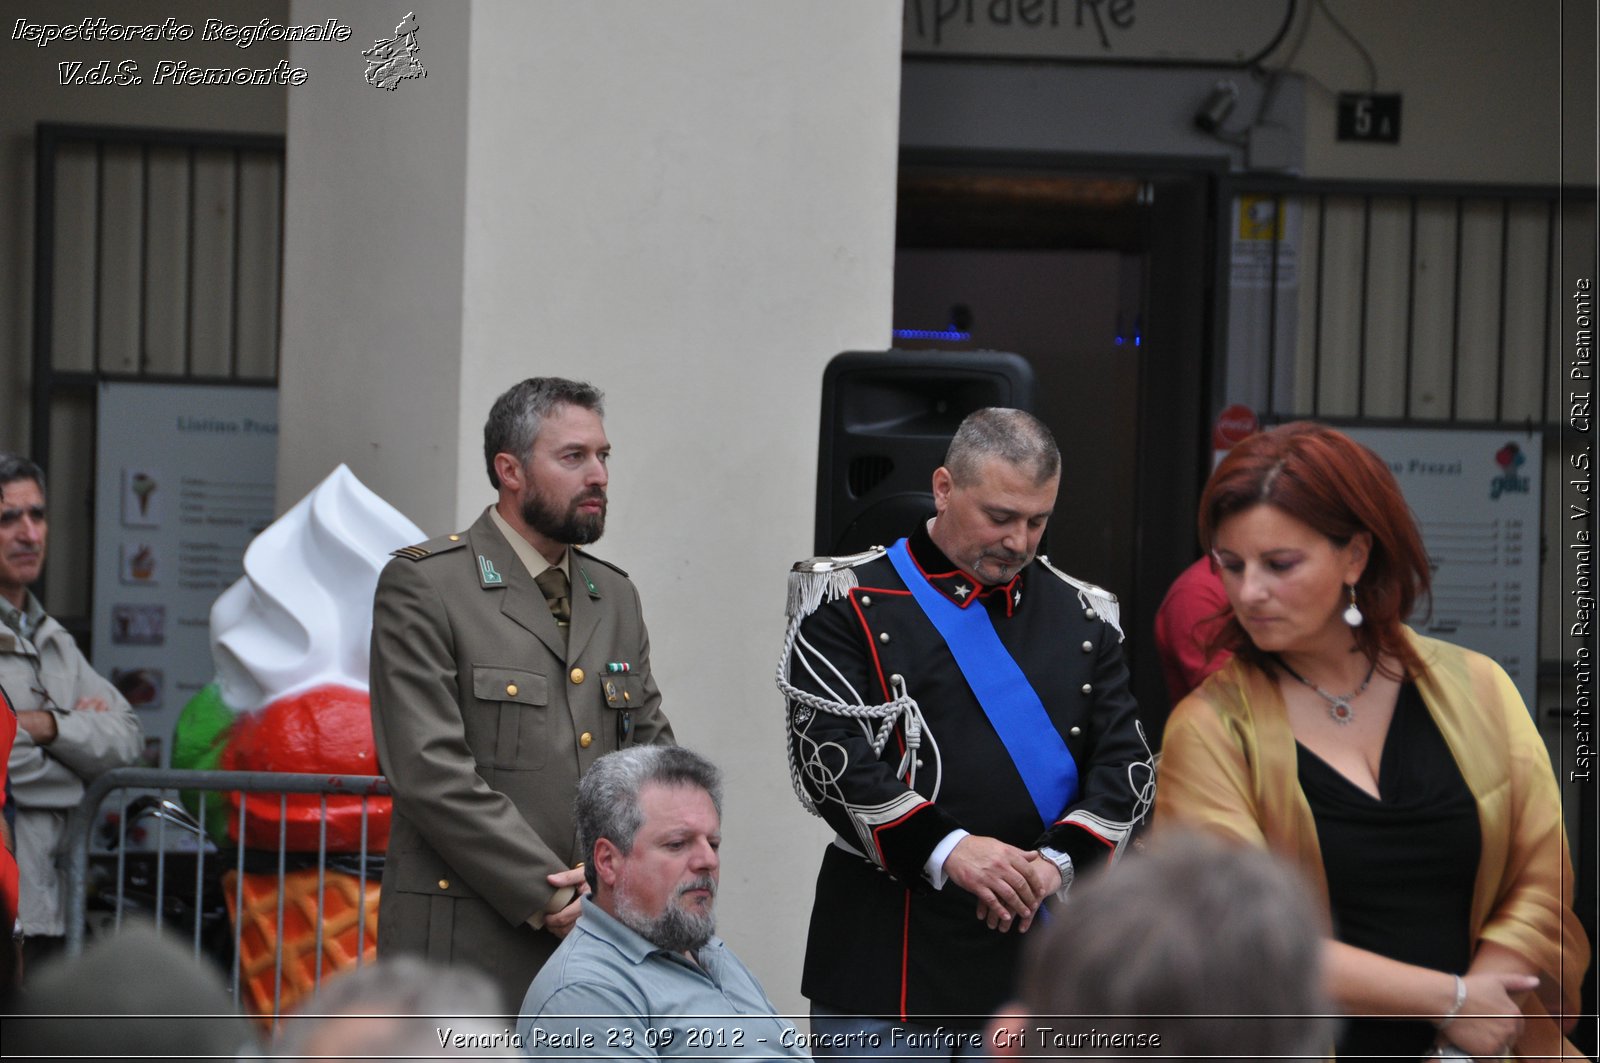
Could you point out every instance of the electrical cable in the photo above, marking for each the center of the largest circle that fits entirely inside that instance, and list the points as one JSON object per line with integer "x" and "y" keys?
{"x": 1372, "y": 67}
{"x": 1277, "y": 39}
{"x": 1274, "y": 76}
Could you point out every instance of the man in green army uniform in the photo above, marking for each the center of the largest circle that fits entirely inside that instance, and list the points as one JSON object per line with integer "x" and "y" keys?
{"x": 504, "y": 662}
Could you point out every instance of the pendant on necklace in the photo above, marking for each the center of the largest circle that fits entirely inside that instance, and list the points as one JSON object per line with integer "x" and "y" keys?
{"x": 1339, "y": 707}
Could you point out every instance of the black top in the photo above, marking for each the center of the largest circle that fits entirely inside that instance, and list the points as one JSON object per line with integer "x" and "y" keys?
{"x": 1401, "y": 866}
{"x": 882, "y": 942}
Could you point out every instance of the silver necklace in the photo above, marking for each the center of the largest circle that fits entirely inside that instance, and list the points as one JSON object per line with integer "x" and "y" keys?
{"x": 1338, "y": 705}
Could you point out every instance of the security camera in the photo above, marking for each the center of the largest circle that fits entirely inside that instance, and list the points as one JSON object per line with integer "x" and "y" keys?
{"x": 1218, "y": 106}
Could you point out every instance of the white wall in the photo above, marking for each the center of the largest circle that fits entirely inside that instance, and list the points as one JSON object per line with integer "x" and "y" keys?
{"x": 374, "y": 202}
{"x": 691, "y": 205}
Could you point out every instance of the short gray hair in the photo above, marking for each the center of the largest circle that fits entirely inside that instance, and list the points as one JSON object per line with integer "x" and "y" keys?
{"x": 516, "y": 416}
{"x": 1015, "y": 437}
{"x": 608, "y": 795}
{"x": 1213, "y": 948}
{"x": 14, "y": 467}
{"x": 391, "y": 1009}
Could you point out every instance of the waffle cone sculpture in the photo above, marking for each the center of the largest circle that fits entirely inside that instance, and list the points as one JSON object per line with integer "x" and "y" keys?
{"x": 348, "y": 917}
{"x": 290, "y": 641}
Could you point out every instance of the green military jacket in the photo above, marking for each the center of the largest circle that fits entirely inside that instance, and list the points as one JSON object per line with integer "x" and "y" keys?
{"x": 485, "y": 715}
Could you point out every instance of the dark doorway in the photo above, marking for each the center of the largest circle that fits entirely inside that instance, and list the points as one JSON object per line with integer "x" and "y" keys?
{"x": 1101, "y": 279}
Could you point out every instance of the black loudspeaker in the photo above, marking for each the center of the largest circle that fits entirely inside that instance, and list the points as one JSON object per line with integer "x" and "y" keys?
{"x": 887, "y": 419}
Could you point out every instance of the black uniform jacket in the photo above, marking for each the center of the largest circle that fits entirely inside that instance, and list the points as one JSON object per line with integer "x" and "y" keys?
{"x": 882, "y": 941}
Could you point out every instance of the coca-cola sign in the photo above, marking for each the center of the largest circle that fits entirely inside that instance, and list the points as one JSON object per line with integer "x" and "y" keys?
{"x": 1233, "y": 424}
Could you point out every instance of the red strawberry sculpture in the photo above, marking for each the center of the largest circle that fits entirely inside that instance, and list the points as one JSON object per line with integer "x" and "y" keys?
{"x": 326, "y": 730}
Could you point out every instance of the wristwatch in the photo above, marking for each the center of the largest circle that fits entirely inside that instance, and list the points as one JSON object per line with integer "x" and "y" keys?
{"x": 1063, "y": 864}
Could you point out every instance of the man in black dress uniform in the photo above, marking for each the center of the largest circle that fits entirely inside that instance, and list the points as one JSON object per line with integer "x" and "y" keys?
{"x": 959, "y": 713}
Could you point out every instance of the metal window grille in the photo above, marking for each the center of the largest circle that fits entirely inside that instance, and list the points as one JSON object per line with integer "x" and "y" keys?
{"x": 1397, "y": 305}
{"x": 1400, "y": 304}
{"x": 158, "y": 257}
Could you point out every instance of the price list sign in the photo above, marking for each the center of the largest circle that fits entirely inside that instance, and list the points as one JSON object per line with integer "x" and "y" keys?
{"x": 1476, "y": 496}
{"x": 185, "y": 478}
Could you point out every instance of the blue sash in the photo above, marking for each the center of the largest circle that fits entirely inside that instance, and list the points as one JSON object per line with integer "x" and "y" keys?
{"x": 1007, "y": 698}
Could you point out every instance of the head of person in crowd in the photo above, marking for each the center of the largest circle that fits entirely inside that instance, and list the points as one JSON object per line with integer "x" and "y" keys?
{"x": 395, "y": 1009}
{"x": 140, "y": 990}
{"x": 1193, "y": 950}
{"x": 23, "y": 526}
{"x": 1335, "y": 552}
{"x": 649, "y": 826}
{"x": 546, "y": 450}
{"x": 995, "y": 492}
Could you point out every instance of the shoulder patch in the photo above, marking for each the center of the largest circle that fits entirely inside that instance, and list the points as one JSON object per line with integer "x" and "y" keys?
{"x": 1096, "y": 601}
{"x": 439, "y": 545}
{"x": 822, "y": 579}
{"x": 599, "y": 561}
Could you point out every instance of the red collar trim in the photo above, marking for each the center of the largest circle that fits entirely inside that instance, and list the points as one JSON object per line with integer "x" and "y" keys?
{"x": 963, "y": 588}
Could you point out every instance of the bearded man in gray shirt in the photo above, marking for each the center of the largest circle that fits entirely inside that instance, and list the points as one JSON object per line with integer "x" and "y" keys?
{"x": 642, "y": 975}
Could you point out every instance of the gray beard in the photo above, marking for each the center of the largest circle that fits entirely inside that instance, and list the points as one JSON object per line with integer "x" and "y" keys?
{"x": 675, "y": 929}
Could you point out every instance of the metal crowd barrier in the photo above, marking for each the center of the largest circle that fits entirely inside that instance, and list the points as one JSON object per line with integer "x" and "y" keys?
{"x": 155, "y": 795}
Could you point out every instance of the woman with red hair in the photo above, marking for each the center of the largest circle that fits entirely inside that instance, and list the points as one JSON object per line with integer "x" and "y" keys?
{"x": 1402, "y": 774}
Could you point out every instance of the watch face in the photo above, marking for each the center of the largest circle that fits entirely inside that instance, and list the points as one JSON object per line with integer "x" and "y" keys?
{"x": 1068, "y": 872}
{"x": 1063, "y": 862}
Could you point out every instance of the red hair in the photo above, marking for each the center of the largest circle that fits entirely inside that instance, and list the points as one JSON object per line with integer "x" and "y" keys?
{"x": 1338, "y": 488}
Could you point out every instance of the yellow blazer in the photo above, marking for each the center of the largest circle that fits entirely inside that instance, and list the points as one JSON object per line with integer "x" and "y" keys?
{"x": 1228, "y": 767}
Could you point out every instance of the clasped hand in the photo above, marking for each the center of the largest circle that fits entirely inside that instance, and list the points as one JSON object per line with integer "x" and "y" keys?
{"x": 561, "y": 921}
{"x": 1491, "y": 1015}
{"x": 1010, "y": 883}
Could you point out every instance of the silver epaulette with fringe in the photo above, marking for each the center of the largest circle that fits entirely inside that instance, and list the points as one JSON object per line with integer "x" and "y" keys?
{"x": 813, "y": 583}
{"x": 1102, "y": 601}
{"x": 822, "y": 579}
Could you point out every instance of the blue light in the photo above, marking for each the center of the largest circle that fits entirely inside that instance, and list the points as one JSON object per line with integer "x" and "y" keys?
{"x": 949, "y": 335}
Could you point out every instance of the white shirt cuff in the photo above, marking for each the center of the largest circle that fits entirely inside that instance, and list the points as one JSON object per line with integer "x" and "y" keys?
{"x": 933, "y": 870}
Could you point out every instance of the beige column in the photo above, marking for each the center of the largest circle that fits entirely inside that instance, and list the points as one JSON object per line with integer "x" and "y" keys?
{"x": 690, "y": 204}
